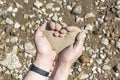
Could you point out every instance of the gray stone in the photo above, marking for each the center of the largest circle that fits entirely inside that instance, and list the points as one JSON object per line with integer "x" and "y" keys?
{"x": 1, "y": 12}
{"x": 11, "y": 61}
{"x": 77, "y": 9}
{"x": 13, "y": 39}
{"x": 9, "y": 21}
{"x": 106, "y": 67}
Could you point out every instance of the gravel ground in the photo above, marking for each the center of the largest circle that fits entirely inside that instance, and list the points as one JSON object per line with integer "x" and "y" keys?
{"x": 100, "y": 19}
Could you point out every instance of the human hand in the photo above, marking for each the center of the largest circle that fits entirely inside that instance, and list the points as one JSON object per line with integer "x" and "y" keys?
{"x": 71, "y": 53}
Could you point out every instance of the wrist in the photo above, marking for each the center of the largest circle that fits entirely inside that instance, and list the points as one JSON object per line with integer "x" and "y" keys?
{"x": 44, "y": 62}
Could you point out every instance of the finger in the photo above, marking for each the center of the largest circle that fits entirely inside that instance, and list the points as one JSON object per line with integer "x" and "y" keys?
{"x": 56, "y": 34}
{"x": 58, "y": 27}
{"x": 52, "y": 25}
{"x": 73, "y": 29}
{"x": 62, "y": 35}
{"x": 78, "y": 44}
{"x": 63, "y": 31}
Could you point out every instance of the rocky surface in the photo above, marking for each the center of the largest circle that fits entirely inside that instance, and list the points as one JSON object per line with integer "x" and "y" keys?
{"x": 100, "y": 19}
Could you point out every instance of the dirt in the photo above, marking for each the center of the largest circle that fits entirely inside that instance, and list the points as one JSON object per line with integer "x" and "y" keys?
{"x": 110, "y": 28}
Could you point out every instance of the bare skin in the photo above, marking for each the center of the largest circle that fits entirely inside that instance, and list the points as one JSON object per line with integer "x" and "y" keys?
{"x": 46, "y": 56}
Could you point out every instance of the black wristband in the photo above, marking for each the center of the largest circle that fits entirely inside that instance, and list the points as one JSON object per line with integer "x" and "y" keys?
{"x": 38, "y": 70}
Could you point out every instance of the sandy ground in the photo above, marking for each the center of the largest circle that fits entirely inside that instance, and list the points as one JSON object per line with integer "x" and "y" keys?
{"x": 98, "y": 18}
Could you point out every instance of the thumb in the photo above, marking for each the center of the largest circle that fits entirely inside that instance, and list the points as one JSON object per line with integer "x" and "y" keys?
{"x": 78, "y": 44}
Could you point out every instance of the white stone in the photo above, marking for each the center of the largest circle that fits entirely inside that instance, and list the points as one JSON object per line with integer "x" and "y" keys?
{"x": 17, "y": 25}
{"x": 78, "y": 19}
{"x": 11, "y": 61}
{"x": 77, "y": 9}
{"x": 9, "y": 21}
{"x": 102, "y": 56}
{"x": 13, "y": 39}
{"x": 1, "y": 2}
{"x": 29, "y": 46}
{"x": 9, "y": 9}
{"x": 116, "y": 74}
{"x": 57, "y": 9}
{"x": 89, "y": 27}
{"x": 49, "y": 5}
{"x": 18, "y": 5}
{"x": 102, "y": 0}
{"x": 118, "y": 44}
{"x": 84, "y": 76}
{"x": 15, "y": 10}
{"x": 38, "y": 4}
{"x": 20, "y": 77}
{"x": 106, "y": 67}
{"x": 118, "y": 2}
{"x": 69, "y": 7}
{"x": 99, "y": 61}
{"x": 55, "y": 17}
{"x": 100, "y": 20}
{"x": 105, "y": 41}
{"x": 94, "y": 69}
{"x": 90, "y": 15}
{"x": 13, "y": 14}
{"x": 26, "y": 1}
{"x": 99, "y": 69}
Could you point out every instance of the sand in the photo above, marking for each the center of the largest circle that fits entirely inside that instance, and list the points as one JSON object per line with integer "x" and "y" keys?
{"x": 59, "y": 43}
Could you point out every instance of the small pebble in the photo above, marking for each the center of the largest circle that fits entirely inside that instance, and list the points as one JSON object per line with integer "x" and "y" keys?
{"x": 69, "y": 7}
{"x": 77, "y": 9}
{"x": 9, "y": 9}
{"x": 1, "y": 12}
{"x": 55, "y": 17}
{"x": 118, "y": 2}
{"x": 29, "y": 46}
{"x": 105, "y": 41}
{"x": 118, "y": 44}
{"x": 90, "y": 15}
{"x": 57, "y": 9}
{"x": 38, "y": 4}
{"x": 84, "y": 76}
{"x": 9, "y": 21}
{"x": 13, "y": 39}
{"x": 89, "y": 27}
{"x": 17, "y": 25}
{"x": 85, "y": 58}
{"x": 118, "y": 67}
{"x": 106, "y": 67}
{"x": 26, "y": 1}
{"x": 49, "y": 5}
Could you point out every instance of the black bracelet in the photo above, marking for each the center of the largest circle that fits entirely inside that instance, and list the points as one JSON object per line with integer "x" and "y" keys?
{"x": 38, "y": 70}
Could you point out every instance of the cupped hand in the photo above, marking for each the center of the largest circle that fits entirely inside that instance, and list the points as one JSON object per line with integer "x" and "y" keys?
{"x": 71, "y": 53}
